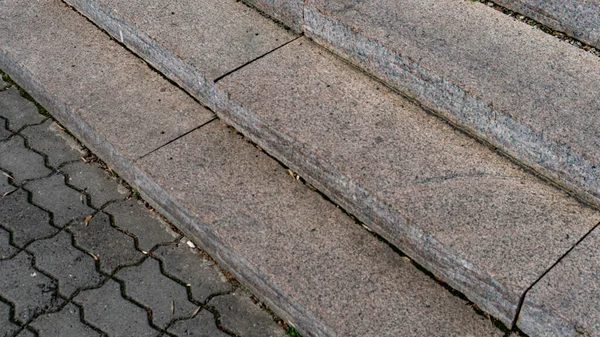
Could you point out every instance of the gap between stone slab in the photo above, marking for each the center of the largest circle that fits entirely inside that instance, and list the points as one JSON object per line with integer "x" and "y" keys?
{"x": 256, "y": 59}
{"x": 522, "y": 298}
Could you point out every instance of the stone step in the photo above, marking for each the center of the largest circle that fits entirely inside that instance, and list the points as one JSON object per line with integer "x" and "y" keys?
{"x": 527, "y": 93}
{"x": 471, "y": 217}
{"x": 579, "y": 19}
{"x": 310, "y": 262}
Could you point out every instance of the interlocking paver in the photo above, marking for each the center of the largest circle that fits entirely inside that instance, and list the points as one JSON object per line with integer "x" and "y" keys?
{"x": 50, "y": 139}
{"x": 95, "y": 181}
{"x": 149, "y": 229}
{"x": 201, "y": 274}
{"x": 201, "y": 325}
{"x": 32, "y": 292}
{"x": 65, "y": 323}
{"x": 53, "y": 194}
{"x": 240, "y": 315}
{"x": 73, "y": 268}
{"x": 112, "y": 247}
{"x": 26, "y": 333}
{"x": 166, "y": 298}
{"x": 25, "y": 221}
{"x": 106, "y": 309}
{"x": 7, "y": 328}
{"x": 17, "y": 110}
{"x": 6, "y": 249}
{"x": 4, "y": 132}
{"x": 5, "y": 186}
{"x": 22, "y": 163}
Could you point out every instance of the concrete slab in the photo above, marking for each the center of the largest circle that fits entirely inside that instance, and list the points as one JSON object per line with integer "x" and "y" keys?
{"x": 526, "y": 92}
{"x": 184, "y": 39}
{"x": 314, "y": 265}
{"x": 468, "y": 215}
{"x": 579, "y": 19}
{"x": 565, "y": 301}
{"x": 145, "y": 111}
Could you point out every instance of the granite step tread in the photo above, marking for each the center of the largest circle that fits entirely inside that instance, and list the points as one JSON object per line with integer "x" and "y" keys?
{"x": 471, "y": 217}
{"x": 313, "y": 264}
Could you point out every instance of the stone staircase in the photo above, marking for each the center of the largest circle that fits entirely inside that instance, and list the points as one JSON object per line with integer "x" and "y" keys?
{"x": 464, "y": 138}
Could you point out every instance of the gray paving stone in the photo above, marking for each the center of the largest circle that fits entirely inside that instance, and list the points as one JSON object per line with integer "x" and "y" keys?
{"x": 95, "y": 181}
{"x": 49, "y": 139}
{"x": 166, "y": 298}
{"x": 186, "y": 265}
{"x": 240, "y": 315}
{"x": 468, "y": 215}
{"x": 21, "y": 162}
{"x": 65, "y": 203}
{"x": 201, "y": 325}
{"x": 148, "y": 27}
{"x": 7, "y": 328}
{"x": 112, "y": 247}
{"x": 79, "y": 67}
{"x": 525, "y": 91}
{"x": 31, "y": 292}
{"x": 26, "y": 333}
{"x": 274, "y": 233}
{"x": 579, "y": 19}
{"x": 565, "y": 301}
{"x": 25, "y": 221}
{"x": 106, "y": 309}
{"x": 6, "y": 249}
{"x": 17, "y": 110}
{"x": 136, "y": 219}
{"x": 65, "y": 323}
{"x": 5, "y": 186}
{"x": 72, "y": 268}
{"x": 3, "y": 84}
{"x": 4, "y": 132}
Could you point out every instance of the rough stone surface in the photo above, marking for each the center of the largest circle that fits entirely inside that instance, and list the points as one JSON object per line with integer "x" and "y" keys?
{"x": 468, "y": 215}
{"x": 95, "y": 181}
{"x": 295, "y": 248}
{"x": 21, "y": 163}
{"x": 25, "y": 221}
{"x": 5, "y": 187}
{"x": 526, "y": 92}
{"x": 6, "y": 249}
{"x": 3, "y": 84}
{"x": 54, "y": 142}
{"x": 106, "y": 309}
{"x": 186, "y": 265}
{"x": 72, "y": 268}
{"x": 31, "y": 292}
{"x": 77, "y": 69}
{"x": 579, "y": 19}
{"x": 201, "y": 325}
{"x": 4, "y": 132}
{"x": 166, "y": 298}
{"x": 18, "y": 111}
{"x": 288, "y": 12}
{"x": 172, "y": 29}
{"x": 65, "y": 323}
{"x": 64, "y": 202}
{"x": 8, "y": 328}
{"x": 113, "y": 247}
{"x": 240, "y": 315}
{"x": 565, "y": 301}
{"x": 132, "y": 216}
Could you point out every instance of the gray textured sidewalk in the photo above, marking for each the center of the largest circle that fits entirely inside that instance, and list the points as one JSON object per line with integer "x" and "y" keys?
{"x": 80, "y": 255}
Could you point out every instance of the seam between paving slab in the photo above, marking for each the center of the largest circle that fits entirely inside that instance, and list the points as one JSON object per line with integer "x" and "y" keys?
{"x": 430, "y": 111}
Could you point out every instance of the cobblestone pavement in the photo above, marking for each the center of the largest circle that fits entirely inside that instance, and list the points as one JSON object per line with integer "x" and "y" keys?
{"x": 81, "y": 256}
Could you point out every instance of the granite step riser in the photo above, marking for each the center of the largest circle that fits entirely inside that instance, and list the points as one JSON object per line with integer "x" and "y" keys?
{"x": 559, "y": 162}
{"x": 475, "y": 283}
